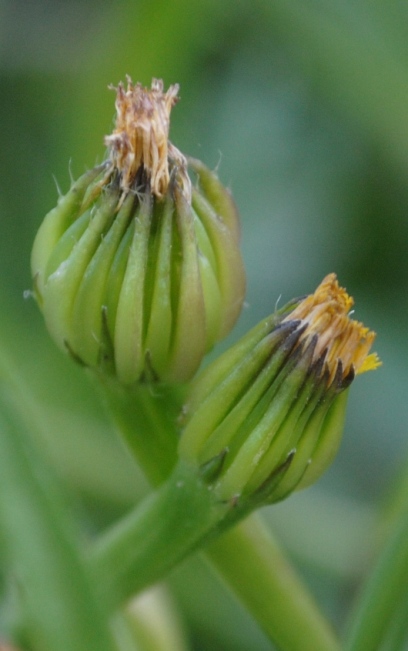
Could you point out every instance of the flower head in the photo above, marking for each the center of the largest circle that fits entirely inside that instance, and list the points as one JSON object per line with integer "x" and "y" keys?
{"x": 266, "y": 418}
{"x": 138, "y": 273}
{"x": 339, "y": 339}
{"x": 140, "y": 140}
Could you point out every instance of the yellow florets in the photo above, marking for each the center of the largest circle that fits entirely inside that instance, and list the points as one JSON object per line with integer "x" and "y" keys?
{"x": 326, "y": 313}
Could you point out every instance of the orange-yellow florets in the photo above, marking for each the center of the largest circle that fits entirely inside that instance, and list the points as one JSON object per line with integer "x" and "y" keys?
{"x": 140, "y": 139}
{"x": 326, "y": 315}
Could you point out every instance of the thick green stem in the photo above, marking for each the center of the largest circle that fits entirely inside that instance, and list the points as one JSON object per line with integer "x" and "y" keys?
{"x": 146, "y": 416}
{"x": 247, "y": 557}
{"x": 255, "y": 569}
{"x": 161, "y": 532}
{"x": 150, "y": 622}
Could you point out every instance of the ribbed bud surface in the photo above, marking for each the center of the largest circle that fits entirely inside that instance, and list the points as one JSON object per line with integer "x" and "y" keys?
{"x": 266, "y": 418}
{"x": 138, "y": 274}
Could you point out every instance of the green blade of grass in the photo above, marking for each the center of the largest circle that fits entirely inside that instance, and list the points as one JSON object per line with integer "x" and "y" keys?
{"x": 61, "y": 612}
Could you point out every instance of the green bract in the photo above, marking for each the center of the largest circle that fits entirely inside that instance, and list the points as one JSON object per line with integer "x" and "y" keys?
{"x": 254, "y": 427}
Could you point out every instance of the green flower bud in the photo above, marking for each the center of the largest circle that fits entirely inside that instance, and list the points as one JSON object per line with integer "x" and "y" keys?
{"x": 266, "y": 418}
{"x": 137, "y": 272}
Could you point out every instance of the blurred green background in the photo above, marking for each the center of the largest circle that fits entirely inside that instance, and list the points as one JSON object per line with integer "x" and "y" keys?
{"x": 302, "y": 105}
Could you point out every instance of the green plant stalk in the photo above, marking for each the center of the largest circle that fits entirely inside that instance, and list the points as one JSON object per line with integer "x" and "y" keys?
{"x": 384, "y": 590}
{"x": 251, "y": 559}
{"x": 150, "y": 411}
{"x": 267, "y": 584}
{"x": 168, "y": 524}
{"x": 60, "y": 605}
{"x": 153, "y": 622}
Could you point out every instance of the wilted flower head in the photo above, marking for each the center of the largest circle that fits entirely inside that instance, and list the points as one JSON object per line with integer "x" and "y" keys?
{"x": 137, "y": 272}
{"x": 140, "y": 140}
{"x": 266, "y": 417}
{"x": 339, "y": 340}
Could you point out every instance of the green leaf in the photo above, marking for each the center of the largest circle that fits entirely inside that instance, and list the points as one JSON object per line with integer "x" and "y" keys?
{"x": 41, "y": 542}
{"x": 384, "y": 592}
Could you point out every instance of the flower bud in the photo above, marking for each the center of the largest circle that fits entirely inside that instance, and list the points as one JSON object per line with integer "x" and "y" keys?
{"x": 137, "y": 272}
{"x": 266, "y": 418}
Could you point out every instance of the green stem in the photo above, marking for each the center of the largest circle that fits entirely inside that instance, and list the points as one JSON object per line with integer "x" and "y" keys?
{"x": 146, "y": 416}
{"x": 383, "y": 591}
{"x": 152, "y": 623}
{"x": 253, "y": 566}
{"x": 239, "y": 556}
{"x": 169, "y": 524}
